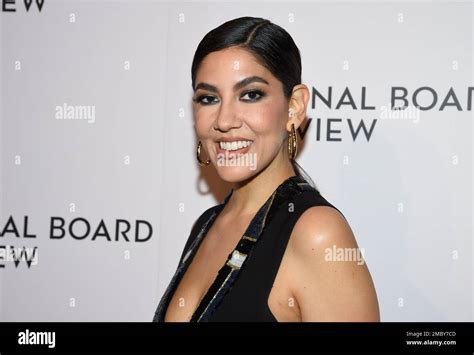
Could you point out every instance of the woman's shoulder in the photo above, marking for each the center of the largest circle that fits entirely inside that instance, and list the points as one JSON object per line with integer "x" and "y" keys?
{"x": 328, "y": 263}
{"x": 319, "y": 223}
{"x": 323, "y": 224}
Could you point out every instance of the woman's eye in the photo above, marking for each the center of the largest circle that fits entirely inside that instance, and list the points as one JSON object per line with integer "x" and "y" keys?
{"x": 248, "y": 96}
{"x": 206, "y": 100}
{"x": 253, "y": 95}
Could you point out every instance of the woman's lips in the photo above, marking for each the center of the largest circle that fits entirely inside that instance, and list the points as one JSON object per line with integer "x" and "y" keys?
{"x": 232, "y": 153}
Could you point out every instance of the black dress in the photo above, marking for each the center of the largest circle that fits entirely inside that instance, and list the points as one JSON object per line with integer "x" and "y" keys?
{"x": 242, "y": 286}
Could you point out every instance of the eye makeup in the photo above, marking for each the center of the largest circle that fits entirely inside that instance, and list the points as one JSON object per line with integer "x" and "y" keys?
{"x": 253, "y": 95}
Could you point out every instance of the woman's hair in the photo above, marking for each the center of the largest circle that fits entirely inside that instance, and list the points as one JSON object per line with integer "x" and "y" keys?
{"x": 270, "y": 44}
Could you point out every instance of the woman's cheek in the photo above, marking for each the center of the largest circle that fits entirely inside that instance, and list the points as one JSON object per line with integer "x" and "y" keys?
{"x": 267, "y": 123}
{"x": 202, "y": 124}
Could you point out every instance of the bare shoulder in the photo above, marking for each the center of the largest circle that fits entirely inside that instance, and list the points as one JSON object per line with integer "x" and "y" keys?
{"x": 321, "y": 226}
{"x": 331, "y": 279}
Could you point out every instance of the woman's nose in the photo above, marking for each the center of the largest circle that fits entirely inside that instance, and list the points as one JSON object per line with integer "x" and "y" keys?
{"x": 227, "y": 117}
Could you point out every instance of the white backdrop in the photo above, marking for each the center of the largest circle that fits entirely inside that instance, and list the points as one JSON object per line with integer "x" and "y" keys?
{"x": 96, "y": 123}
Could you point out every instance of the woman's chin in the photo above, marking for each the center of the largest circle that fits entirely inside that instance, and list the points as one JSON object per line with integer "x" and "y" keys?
{"x": 235, "y": 174}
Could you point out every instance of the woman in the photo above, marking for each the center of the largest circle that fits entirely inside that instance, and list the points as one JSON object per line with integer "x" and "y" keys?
{"x": 264, "y": 253}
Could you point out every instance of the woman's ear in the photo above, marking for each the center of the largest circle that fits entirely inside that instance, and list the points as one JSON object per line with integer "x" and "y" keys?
{"x": 298, "y": 104}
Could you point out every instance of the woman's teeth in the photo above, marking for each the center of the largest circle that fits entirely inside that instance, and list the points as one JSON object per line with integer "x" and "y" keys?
{"x": 234, "y": 145}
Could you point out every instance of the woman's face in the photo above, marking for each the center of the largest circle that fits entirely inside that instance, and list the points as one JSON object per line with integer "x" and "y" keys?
{"x": 240, "y": 114}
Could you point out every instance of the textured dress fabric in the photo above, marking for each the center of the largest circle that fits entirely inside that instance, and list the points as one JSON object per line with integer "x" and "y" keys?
{"x": 242, "y": 286}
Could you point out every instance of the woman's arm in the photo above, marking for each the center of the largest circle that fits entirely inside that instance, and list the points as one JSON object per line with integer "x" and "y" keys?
{"x": 331, "y": 280}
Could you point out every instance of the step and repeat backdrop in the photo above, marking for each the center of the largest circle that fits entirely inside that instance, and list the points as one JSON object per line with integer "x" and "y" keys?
{"x": 99, "y": 183}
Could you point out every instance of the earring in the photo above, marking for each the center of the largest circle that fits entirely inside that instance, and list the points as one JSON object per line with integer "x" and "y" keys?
{"x": 198, "y": 153}
{"x": 292, "y": 142}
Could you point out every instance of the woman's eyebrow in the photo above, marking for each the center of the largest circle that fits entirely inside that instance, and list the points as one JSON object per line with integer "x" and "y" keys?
{"x": 242, "y": 83}
{"x": 251, "y": 79}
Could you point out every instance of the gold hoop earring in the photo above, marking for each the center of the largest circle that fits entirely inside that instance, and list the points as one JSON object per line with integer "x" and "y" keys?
{"x": 198, "y": 153}
{"x": 292, "y": 142}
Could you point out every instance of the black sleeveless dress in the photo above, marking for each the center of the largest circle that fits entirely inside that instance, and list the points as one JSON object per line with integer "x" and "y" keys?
{"x": 242, "y": 286}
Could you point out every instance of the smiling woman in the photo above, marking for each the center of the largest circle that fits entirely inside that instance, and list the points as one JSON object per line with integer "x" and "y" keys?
{"x": 262, "y": 254}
